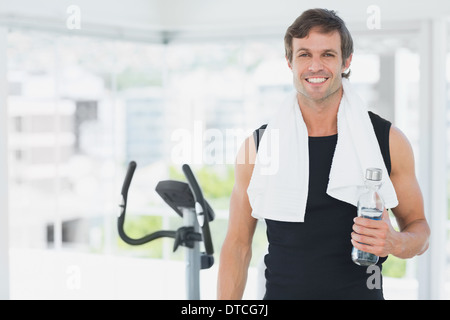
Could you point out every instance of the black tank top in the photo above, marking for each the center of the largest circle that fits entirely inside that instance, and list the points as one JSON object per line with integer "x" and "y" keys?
{"x": 312, "y": 259}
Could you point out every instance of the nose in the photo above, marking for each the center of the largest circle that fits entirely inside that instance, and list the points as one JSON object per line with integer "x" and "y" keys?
{"x": 316, "y": 65}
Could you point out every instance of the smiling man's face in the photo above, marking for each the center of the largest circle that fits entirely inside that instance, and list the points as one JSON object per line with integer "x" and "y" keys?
{"x": 317, "y": 65}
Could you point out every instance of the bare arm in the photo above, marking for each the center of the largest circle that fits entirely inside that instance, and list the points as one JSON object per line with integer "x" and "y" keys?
{"x": 379, "y": 236}
{"x": 409, "y": 213}
{"x": 236, "y": 250}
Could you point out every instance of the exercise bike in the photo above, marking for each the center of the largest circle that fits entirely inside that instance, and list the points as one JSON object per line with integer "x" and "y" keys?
{"x": 187, "y": 200}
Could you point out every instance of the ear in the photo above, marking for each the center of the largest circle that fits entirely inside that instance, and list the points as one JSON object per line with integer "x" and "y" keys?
{"x": 289, "y": 63}
{"x": 347, "y": 63}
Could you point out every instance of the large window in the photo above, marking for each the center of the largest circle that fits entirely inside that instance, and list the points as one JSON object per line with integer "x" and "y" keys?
{"x": 80, "y": 109}
{"x": 76, "y": 116}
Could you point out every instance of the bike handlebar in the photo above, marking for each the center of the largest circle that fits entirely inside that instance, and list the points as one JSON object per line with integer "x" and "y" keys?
{"x": 200, "y": 207}
{"x": 123, "y": 205}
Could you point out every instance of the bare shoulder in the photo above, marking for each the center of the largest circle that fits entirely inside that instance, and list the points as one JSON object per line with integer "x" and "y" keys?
{"x": 245, "y": 161}
{"x": 402, "y": 155}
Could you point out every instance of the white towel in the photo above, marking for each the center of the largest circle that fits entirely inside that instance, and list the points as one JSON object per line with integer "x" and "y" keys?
{"x": 278, "y": 188}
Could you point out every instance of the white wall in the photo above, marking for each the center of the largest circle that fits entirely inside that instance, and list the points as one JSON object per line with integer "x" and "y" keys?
{"x": 237, "y": 15}
{"x": 130, "y": 13}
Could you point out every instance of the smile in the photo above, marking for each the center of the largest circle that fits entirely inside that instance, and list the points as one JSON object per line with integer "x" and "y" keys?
{"x": 316, "y": 80}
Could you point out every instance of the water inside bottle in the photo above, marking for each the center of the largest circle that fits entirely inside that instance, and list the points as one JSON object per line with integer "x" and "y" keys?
{"x": 370, "y": 213}
{"x": 360, "y": 257}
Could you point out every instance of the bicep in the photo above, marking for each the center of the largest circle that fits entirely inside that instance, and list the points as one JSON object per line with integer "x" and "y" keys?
{"x": 403, "y": 177}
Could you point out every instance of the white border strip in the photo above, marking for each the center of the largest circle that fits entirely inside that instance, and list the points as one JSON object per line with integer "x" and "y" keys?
{"x": 4, "y": 224}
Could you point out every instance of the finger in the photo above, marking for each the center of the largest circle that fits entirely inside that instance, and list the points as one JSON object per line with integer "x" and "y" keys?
{"x": 367, "y": 240}
{"x": 366, "y": 229}
{"x": 361, "y": 246}
{"x": 365, "y": 247}
{"x": 379, "y": 232}
{"x": 366, "y": 222}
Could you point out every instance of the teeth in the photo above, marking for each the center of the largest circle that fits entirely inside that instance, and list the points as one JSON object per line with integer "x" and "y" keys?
{"x": 316, "y": 80}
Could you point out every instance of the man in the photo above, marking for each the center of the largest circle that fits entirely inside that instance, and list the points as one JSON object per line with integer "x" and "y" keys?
{"x": 311, "y": 259}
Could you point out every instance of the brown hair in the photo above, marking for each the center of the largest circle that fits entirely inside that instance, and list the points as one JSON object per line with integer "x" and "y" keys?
{"x": 327, "y": 21}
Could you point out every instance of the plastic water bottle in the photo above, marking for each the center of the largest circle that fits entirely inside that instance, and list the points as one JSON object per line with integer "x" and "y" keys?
{"x": 371, "y": 206}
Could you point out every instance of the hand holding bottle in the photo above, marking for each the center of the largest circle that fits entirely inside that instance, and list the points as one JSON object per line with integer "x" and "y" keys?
{"x": 375, "y": 236}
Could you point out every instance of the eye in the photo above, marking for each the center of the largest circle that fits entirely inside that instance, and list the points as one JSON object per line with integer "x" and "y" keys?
{"x": 301, "y": 55}
{"x": 329, "y": 54}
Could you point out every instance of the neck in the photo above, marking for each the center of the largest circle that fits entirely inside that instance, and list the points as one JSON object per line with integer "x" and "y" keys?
{"x": 320, "y": 116}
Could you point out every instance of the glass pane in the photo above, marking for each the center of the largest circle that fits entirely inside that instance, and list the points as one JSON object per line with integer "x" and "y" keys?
{"x": 36, "y": 127}
{"x": 74, "y": 104}
{"x": 222, "y": 92}
{"x": 386, "y": 71}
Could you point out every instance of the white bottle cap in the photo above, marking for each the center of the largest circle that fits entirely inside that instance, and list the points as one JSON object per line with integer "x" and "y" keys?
{"x": 374, "y": 174}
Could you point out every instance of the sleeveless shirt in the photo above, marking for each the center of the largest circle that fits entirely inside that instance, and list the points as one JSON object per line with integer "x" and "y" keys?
{"x": 312, "y": 259}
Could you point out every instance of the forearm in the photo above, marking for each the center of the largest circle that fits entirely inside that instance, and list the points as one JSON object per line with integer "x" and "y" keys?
{"x": 233, "y": 269}
{"x": 412, "y": 240}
